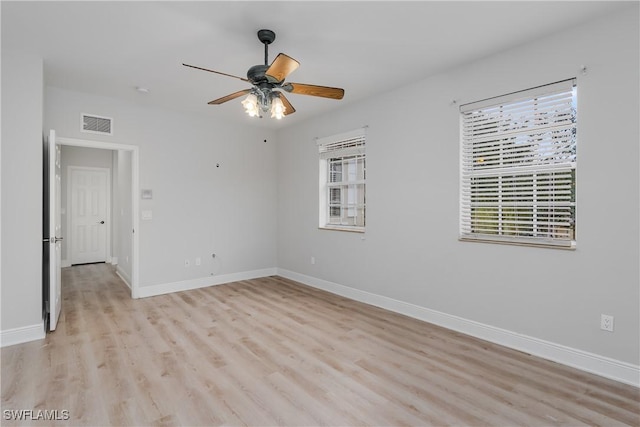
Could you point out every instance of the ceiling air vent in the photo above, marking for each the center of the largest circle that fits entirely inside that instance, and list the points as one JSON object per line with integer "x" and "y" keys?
{"x": 97, "y": 124}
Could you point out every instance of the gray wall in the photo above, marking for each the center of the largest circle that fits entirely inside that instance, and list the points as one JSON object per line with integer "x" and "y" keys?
{"x": 21, "y": 223}
{"x": 198, "y": 208}
{"x": 411, "y": 252}
{"x": 122, "y": 215}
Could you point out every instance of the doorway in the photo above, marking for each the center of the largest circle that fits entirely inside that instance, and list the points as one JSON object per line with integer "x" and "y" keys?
{"x": 85, "y": 234}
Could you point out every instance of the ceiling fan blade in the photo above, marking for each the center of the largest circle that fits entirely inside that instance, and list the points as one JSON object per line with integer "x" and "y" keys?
{"x": 229, "y": 97}
{"x": 281, "y": 67}
{"x": 287, "y": 105}
{"x": 313, "y": 90}
{"x": 217, "y": 72}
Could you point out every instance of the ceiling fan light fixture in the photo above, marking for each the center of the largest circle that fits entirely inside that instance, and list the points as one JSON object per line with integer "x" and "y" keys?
{"x": 250, "y": 104}
{"x": 277, "y": 108}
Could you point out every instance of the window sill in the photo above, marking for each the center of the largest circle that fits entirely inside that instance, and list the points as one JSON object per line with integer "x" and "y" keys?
{"x": 569, "y": 246}
{"x": 342, "y": 228}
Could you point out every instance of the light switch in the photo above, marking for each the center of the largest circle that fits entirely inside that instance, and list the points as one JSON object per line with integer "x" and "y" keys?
{"x": 147, "y": 215}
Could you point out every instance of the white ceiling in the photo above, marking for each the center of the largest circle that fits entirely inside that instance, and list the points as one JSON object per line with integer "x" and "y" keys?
{"x": 109, "y": 48}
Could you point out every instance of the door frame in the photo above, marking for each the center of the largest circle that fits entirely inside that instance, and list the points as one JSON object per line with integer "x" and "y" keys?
{"x": 108, "y": 236}
{"x": 135, "y": 191}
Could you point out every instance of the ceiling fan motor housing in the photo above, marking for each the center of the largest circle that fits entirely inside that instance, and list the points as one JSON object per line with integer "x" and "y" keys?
{"x": 256, "y": 74}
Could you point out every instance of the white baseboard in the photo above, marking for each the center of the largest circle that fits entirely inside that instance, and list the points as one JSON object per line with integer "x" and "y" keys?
{"x": 600, "y": 365}
{"x": 22, "y": 335}
{"x": 114, "y": 260}
{"x": 124, "y": 276}
{"x": 203, "y": 282}
{"x": 65, "y": 263}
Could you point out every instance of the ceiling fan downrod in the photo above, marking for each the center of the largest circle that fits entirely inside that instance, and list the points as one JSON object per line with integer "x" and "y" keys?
{"x": 266, "y": 37}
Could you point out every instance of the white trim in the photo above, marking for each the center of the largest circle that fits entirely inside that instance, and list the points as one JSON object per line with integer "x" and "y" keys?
{"x": 113, "y": 260}
{"x": 593, "y": 363}
{"x": 135, "y": 207}
{"x": 65, "y": 263}
{"x": 203, "y": 282}
{"x": 135, "y": 191}
{"x": 22, "y": 335}
{"x": 350, "y": 228}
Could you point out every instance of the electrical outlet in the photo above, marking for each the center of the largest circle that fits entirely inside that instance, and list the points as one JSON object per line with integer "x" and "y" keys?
{"x": 606, "y": 322}
{"x": 313, "y": 260}
{"x": 187, "y": 263}
{"x": 198, "y": 261}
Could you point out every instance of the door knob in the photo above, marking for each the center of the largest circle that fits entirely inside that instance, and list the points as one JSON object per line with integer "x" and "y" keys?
{"x": 101, "y": 222}
{"x": 53, "y": 239}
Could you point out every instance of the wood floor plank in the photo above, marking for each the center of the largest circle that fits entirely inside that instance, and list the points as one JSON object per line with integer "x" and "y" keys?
{"x": 271, "y": 351}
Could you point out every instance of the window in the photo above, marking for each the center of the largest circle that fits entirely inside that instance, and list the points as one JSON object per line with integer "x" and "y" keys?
{"x": 342, "y": 181}
{"x": 518, "y": 167}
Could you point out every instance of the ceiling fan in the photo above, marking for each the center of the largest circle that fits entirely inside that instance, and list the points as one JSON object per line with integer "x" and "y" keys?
{"x": 268, "y": 84}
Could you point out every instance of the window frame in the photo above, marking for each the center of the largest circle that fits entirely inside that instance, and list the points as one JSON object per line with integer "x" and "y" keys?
{"x": 348, "y": 150}
{"x": 518, "y": 166}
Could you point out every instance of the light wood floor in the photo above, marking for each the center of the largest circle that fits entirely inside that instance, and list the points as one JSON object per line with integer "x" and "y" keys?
{"x": 273, "y": 352}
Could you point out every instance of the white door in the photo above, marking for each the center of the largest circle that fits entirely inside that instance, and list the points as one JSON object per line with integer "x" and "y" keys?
{"x": 55, "y": 276}
{"x": 89, "y": 190}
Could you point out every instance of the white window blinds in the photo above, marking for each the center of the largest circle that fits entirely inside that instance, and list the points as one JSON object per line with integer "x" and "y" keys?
{"x": 342, "y": 181}
{"x": 518, "y": 163}
{"x": 344, "y": 144}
